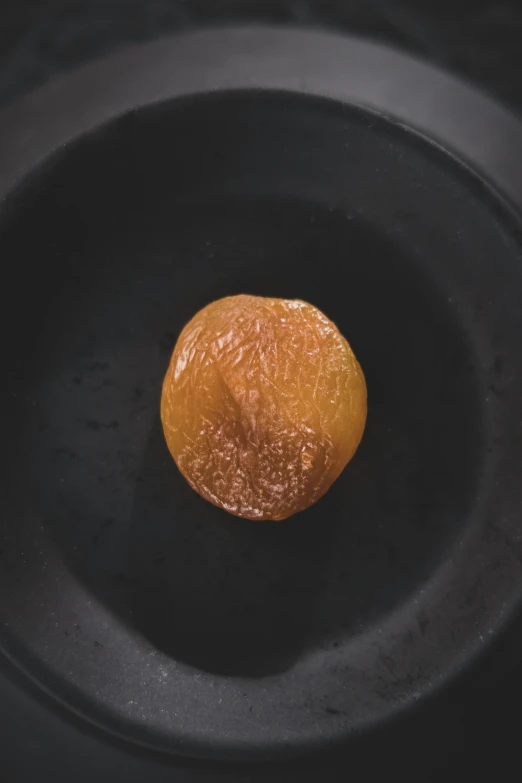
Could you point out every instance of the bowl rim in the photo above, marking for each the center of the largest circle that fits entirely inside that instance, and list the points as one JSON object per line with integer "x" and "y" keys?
{"x": 457, "y": 116}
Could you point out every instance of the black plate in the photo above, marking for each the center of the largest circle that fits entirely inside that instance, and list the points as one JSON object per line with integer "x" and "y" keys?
{"x": 126, "y": 596}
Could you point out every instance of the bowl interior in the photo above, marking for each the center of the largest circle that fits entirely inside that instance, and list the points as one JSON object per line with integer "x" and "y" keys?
{"x": 158, "y": 613}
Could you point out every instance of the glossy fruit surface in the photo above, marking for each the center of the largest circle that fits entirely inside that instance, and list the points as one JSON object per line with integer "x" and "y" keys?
{"x": 263, "y": 405}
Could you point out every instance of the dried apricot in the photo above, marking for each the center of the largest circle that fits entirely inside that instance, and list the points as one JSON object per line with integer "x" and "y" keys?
{"x": 263, "y": 405}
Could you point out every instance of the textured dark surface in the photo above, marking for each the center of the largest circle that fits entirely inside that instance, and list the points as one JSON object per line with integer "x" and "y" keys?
{"x": 472, "y": 730}
{"x": 185, "y": 629}
{"x": 476, "y": 39}
{"x": 263, "y": 637}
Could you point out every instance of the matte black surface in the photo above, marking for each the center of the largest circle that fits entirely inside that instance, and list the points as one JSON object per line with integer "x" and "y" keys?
{"x": 476, "y": 39}
{"x": 237, "y": 190}
{"x": 152, "y": 611}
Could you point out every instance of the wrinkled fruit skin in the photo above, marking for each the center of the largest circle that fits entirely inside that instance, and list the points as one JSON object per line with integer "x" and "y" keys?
{"x": 263, "y": 405}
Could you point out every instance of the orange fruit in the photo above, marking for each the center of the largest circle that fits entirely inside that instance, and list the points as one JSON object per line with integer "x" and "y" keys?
{"x": 263, "y": 405}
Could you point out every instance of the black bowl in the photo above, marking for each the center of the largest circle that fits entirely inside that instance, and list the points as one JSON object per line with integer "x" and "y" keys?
{"x": 124, "y": 594}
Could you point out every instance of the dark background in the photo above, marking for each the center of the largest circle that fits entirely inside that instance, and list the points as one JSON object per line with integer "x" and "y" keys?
{"x": 476, "y": 39}
{"x": 473, "y": 727}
